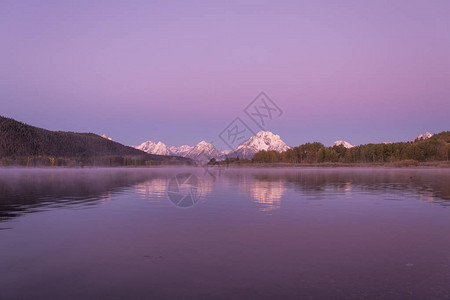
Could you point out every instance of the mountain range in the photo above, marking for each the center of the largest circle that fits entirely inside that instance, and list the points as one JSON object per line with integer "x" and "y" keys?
{"x": 263, "y": 140}
{"x": 19, "y": 141}
{"x": 204, "y": 151}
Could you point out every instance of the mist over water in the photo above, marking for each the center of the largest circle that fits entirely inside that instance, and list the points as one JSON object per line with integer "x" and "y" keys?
{"x": 248, "y": 233}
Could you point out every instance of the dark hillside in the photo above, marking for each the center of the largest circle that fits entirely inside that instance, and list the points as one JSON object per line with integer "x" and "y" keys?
{"x": 21, "y": 140}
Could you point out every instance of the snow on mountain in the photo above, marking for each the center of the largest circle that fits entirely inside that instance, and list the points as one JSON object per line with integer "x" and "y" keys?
{"x": 343, "y": 143}
{"x": 106, "y": 137}
{"x": 180, "y": 151}
{"x": 424, "y": 136}
{"x": 226, "y": 152}
{"x": 159, "y": 148}
{"x": 264, "y": 140}
{"x": 162, "y": 149}
{"x": 204, "y": 151}
{"x": 146, "y": 146}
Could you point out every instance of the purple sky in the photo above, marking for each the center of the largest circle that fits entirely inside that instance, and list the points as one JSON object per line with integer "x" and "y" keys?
{"x": 177, "y": 72}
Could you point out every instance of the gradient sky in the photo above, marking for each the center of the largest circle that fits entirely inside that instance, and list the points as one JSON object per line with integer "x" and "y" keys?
{"x": 179, "y": 72}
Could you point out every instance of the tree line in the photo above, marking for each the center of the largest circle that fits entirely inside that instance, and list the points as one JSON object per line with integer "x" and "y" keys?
{"x": 435, "y": 148}
{"x": 95, "y": 161}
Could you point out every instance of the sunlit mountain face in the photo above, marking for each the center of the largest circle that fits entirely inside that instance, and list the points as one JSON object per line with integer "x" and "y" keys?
{"x": 204, "y": 151}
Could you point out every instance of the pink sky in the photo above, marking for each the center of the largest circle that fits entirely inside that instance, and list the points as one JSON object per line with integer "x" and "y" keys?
{"x": 177, "y": 72}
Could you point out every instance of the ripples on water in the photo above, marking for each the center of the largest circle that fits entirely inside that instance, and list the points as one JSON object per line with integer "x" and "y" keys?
{"x": 317, "y": 233}
{"x": 28, "y": 190}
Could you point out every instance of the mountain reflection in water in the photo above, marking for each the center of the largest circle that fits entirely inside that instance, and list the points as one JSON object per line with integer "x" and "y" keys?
{"x": 31, "y": 190}
{"x": 253, "y": 233}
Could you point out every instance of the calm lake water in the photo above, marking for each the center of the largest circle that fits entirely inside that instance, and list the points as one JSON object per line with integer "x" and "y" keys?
{"x": 225, "y": 234}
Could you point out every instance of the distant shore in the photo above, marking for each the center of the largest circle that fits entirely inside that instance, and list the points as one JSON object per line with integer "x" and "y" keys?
{"x": 398, "y": 164}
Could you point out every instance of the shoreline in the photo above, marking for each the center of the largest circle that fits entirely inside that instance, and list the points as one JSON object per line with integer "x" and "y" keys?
{"x": 436, "y": 164}
{"x": 399, "y": 165}
{"x": 352, "y": 165}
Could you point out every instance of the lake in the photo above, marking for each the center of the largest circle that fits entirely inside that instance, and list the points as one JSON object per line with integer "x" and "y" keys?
{"x": 234, "y": 233}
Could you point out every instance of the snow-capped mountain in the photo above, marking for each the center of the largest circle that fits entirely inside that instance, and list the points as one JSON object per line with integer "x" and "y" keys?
{"x": 146, "y": 147}
{"x": 204, "y": 151}
{"x": 424, "y": 136}
{"x": 159, "y": 148}
{"x": 343, "y": 143}
{"x": 264, "y": 140}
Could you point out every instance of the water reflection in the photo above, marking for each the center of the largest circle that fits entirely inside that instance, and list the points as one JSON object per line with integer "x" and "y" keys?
{"x": 267, "y": 187}
{"x": 155, "y": 190}
{"x": 30, "y": 190}
{"x": 267, "y": 193}
{"x": 256, "y": 233}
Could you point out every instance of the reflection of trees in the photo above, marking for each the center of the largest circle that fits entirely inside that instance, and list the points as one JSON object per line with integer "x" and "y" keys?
{"x": 432, "y": 183}
{"x": 428, "y": 185}
{"x": 26, "y": 190}
{"x": 33, "y": 189}
{"x": 29, "y": 190}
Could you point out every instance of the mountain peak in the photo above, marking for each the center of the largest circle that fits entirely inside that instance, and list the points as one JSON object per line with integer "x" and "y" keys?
{"x": 203, "y": 143}
{"x": 265, "y": 133}
{"x": 263, "y": 140}
{"x": 343, "y": 143}
{"x": 424, "y": 136}
{"x": 204, "y": 151}
{"x": 159, "y": 148}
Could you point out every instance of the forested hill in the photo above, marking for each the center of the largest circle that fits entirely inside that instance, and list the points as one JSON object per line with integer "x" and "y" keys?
{"x": 21, "y": 140}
